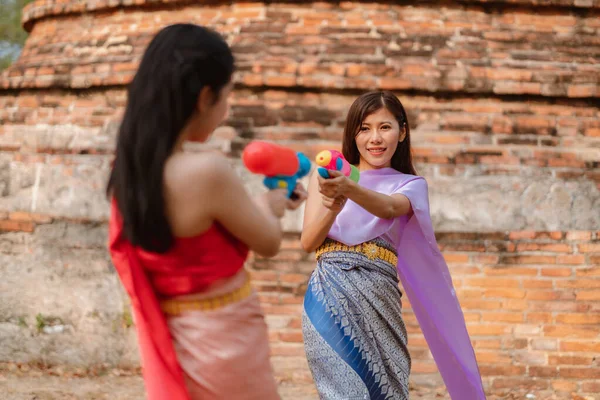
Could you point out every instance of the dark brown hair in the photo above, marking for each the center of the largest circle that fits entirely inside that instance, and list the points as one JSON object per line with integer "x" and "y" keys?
{"x": 365, "y": 105}
{"x": 179, "y": 62}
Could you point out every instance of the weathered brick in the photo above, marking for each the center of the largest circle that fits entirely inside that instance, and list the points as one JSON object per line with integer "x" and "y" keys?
{"x": 16, "y": 226}
{"x": 516, "y": 344}
{"x": 509, "y": 270}
{"x": 579, "y": 235}
{"x": 563, "y": 272}
{"x": 588, "y": 295}
{"x": 589, "y": 248}
{"x": 564, "y": 386}
{"x": 526, "y": 330}
{"x": 505, "y": 293}
{"x": 571, "y": 259}
{"x": 492, "y": 283}
{"x": 570, "y": 360}
{"x": 536, "y": 260}
{"x": 584, "y": 347}
{"x": 503, "y": 317}
{"x": 590, "y": 387}
{"x": 579, "y": 283}
{"x": 579, "y": 373}
{"x": 487, "y": 357}
{"x": 542, "y": 317}
{"x": 553, "y": 247}
{"x": 588, "y": 271}
{"x": 502, "y": 370}
{"x": 542, "y": 295}
{"x": 543, "y": 372}
{"x": 488, "y": 330}
{"x": 565, "y": 331}
{"x": 578, "y": 319}
{"x": 291, "y": 336}
{"x": 525, "y": 383}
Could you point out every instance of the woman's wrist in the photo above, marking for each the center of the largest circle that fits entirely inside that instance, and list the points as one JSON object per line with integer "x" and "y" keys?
{"x": 351, "y": 189}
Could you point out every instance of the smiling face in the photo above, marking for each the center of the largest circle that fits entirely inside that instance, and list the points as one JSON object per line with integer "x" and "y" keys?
{"x": 377, "y": 139}
{"x": 376, "y": 133}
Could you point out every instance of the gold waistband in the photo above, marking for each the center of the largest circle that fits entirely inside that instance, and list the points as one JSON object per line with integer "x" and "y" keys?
{"x": 369, "y": 249}
{"x": 176, "y": 307}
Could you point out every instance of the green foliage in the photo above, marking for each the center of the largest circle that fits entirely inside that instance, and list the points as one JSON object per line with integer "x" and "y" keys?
{"x": 127, "y": 319}
{"x": 5, "y": 61}
{"x": 22, "y": 322}
{"x": 12, "y": 35}
{"x": 40, "y": 322}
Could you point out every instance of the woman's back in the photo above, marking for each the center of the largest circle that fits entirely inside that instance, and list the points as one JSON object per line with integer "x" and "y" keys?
{"x": 195, "y": 263}
{"x": 192, "y": 264}
{"x": 202, "y": 189}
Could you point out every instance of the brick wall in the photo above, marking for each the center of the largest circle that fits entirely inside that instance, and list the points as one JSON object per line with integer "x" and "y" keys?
{"x": 503, "y": 104}
{"x": 531, "y": 301}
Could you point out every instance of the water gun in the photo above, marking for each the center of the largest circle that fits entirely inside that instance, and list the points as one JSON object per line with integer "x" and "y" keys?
{"x": 281, "y": 166}
{"x": 334, "y": 160}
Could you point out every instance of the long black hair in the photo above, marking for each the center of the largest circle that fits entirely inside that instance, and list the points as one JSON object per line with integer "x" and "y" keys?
{"x": 365, "y": 105}
{"x": 179, "y": 62}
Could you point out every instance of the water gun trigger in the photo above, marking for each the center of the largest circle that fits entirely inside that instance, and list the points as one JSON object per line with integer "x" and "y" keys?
{"x": 323, "y": 172}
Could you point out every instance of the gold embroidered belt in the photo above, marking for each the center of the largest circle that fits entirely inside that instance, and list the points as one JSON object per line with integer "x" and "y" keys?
{"x": 176, "y": 306}
{"x": 370, "y": 249}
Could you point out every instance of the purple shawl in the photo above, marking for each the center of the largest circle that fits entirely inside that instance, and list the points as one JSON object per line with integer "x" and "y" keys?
{"x": 424, "y": 275}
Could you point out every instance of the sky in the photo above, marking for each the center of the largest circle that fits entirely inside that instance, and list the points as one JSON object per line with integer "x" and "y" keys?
{"x": 9, "y": 49}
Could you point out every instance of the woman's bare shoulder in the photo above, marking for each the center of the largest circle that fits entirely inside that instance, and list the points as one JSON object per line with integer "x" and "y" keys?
{"x": 189, "y": 175}
{"x": 196, "y": 167}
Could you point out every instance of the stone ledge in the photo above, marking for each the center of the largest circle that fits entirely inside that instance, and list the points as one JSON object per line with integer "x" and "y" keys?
{"x": 473, "y": 80}
{"x": 45, "y": 8}
{"x": 485, "y": 203}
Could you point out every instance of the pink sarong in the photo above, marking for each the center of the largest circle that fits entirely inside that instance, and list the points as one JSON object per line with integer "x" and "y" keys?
{"x": 224, "y": 353}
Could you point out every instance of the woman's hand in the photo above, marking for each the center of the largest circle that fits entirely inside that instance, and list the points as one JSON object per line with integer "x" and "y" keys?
{"x": 300, "y": 196}
{"x": 276, "y": 201}
{"x": 334, "y": 204}
{"x": 319, "y": 215}
{"x": 339, "y": 185}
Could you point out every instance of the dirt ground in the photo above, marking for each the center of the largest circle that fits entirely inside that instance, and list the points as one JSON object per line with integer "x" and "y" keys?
{"x": 25, "y": 382}
{"x": 117, "y": 388}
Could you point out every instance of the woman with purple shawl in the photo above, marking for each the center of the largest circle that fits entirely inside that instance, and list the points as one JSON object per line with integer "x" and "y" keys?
{"x": 367, "y": 236}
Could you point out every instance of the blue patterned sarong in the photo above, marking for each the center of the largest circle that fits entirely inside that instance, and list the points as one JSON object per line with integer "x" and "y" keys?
{"x": 354, "y": 336}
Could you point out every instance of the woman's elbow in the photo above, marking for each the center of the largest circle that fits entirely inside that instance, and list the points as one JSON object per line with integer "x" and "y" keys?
{"x": 307, "y": 245}
{"x": 396, "y": 210}
{"x": 270, "y": 246}
{"x": 389, "y": 212}
{"x": 270, "y": 253}
{"x": 269, "y": 250}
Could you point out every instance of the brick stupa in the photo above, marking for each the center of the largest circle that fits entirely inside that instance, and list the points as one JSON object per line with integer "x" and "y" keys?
{"x": 504, "y": 99}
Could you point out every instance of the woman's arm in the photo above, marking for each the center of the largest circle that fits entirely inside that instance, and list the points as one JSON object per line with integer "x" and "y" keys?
{"x": 203, "y": 189}
{"x": 319, "y": 216}
{"x": 255, "y": 221}
{"x": 381, "y": 205}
